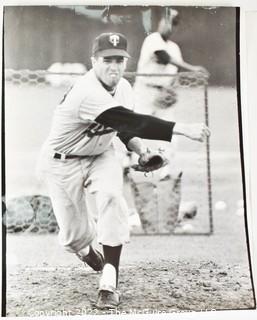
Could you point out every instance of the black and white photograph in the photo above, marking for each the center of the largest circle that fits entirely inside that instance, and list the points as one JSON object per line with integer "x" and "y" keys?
{"x": 124, "y": 187}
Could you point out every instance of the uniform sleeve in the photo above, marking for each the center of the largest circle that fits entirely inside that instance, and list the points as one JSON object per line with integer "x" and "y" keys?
{"x": 130, "y": 124}
{"x": 174, "y": 51}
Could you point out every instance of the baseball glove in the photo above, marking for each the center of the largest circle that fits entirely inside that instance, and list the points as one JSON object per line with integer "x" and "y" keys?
{"x": 150, "y": 161}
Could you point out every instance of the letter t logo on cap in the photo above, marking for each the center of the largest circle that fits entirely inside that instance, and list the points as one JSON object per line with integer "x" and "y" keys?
{"x": 114, "y": 39}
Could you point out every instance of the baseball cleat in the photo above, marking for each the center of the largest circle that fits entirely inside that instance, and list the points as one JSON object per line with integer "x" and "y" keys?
{"x": 108, "y": 299}
{"x": 94, "y": 259}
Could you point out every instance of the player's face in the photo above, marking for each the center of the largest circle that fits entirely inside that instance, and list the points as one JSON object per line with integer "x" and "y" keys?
{"x": 109, "y": 69}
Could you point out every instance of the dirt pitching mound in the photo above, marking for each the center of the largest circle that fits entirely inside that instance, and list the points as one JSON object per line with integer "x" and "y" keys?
{"x": 163, "y": 287}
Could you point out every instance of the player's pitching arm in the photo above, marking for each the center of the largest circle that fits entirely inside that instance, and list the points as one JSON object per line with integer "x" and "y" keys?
{"x": 162, "y": 57}
{"x": 194, "y": 131}
{"x": 189, "y": 67}
{"x": 132, "y": 127}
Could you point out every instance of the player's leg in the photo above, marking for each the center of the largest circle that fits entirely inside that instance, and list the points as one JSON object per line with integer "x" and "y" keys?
{"x": 65, "y": 182}
{"x": 106, "y": 185}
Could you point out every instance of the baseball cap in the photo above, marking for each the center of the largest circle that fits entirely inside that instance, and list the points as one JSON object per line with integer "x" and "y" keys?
{"x": 110, "y": 44}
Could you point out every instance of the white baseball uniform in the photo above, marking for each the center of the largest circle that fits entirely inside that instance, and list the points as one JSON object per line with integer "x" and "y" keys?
{"x": 149, "y": 88}
{"x": 96, "y": 174}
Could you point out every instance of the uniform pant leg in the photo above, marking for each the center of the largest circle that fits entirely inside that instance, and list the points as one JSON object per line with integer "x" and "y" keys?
{"x": 105, "y": 184}
{"x": 65, "y": 181}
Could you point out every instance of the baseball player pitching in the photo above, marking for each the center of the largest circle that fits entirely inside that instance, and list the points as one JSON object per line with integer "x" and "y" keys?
{"x": 79, "y": 163}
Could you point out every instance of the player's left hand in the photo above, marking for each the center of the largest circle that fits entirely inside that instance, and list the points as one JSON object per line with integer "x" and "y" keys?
{"x": 194, "y": 131}
{"x": 150, "y": 161}
{"x": 197, "y": 131}
{"x": 201, "y": 69}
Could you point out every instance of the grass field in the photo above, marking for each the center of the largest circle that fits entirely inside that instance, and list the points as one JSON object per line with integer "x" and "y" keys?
{"x": 166, "y": 273}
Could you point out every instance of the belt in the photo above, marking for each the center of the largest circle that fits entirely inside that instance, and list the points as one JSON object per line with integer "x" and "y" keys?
{"x": 62, "y": 156}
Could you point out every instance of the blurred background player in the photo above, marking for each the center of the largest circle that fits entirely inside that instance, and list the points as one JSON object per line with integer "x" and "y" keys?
{"x": 161, "y": 56}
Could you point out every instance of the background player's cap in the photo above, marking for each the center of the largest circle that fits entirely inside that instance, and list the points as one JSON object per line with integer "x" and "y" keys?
{"x": 110, "y": 44}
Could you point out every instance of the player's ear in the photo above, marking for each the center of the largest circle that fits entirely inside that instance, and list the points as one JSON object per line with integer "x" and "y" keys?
{"x": 125, "y": 62}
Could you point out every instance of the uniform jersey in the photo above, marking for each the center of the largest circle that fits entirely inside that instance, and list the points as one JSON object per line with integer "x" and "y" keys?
{"x": 147, "y": 60}
{"x": 74, "y": 129}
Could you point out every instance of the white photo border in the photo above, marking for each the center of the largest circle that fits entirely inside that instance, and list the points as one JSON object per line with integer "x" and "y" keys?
{"x": 248, "y": 80}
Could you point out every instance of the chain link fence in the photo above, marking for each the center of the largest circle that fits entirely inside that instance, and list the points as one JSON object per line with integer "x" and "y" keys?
{"x": 157, "y": 203}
